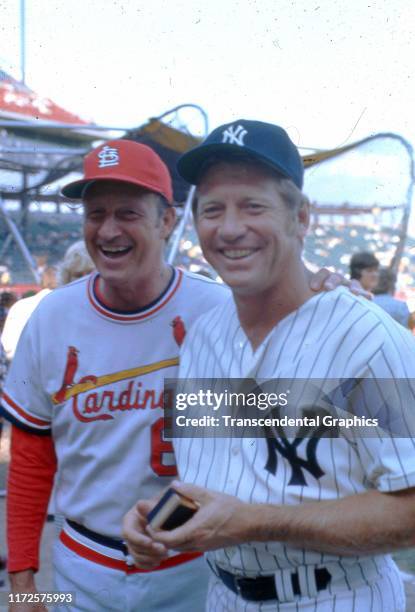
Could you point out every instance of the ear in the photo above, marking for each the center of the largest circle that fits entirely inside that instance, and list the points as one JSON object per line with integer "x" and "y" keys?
{"x": 303, "y": 218}
{"x": 168, "y": 221}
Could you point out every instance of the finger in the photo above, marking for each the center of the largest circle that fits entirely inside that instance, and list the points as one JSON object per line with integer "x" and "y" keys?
{"x": 135, "y": 536}
{"x": 334, "y": 280}
{"x": 318, "y": 278}
{"x": 149, "y": 563}
{"x": 131, "y": 524}
{"x": 156, "y": 551}
{"x": 146, "y": 545}
{"x": 144, "y": 506}
{"x": 141, "y": 542}
{"x": 182, "y": 538}
{"x": 135, "y": 521}
{"x": 356, "y": 288}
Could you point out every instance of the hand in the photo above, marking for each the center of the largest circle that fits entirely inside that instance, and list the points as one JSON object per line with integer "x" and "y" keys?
{"x": 24, "y": 582}
{"x": 324, "y": 280}
{"x": 27, "y": 607}
{"x": 222, "y": 520}
{"x": 146, "y": 553}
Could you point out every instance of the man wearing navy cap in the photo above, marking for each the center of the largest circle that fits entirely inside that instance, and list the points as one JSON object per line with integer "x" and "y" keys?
{"x": 299, "y": 520}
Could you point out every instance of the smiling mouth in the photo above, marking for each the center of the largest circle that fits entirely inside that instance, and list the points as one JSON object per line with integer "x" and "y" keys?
{"x": 237, "y": 253}
{"x": 115, "y": 252}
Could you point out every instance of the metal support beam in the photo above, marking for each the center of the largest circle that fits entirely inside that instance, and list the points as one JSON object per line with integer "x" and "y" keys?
{"x": 20, "y": 242}
{"x": 174, "y": 247}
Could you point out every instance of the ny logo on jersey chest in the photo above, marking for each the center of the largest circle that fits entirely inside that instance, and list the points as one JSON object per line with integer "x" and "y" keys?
{"x": 307, "y": 440}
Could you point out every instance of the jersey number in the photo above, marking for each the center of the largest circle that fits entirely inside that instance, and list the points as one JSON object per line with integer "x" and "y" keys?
{"x": 160, "y": 447}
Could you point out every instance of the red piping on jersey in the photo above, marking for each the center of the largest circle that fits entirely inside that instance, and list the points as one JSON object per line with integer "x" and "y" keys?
{"x": 96, "y": 557}
{"x": 132, "y": 317}
{"x": 24, "y": 414}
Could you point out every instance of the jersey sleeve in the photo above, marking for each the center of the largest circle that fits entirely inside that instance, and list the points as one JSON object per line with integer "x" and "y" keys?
{"x": 24, "y": 401}
{"x": 389, "y": 456}
{"x": 30, "y": 481}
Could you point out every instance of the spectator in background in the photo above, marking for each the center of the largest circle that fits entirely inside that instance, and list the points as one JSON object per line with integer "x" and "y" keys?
{"x": 4, "y": 275}
{"x": 7, "y": 299}
{"x": 384, "y": 292}
{"x": 364, "y": 267}
{"x": 75, "y": 264}
{"x": 20, "y": 312}
{"x": 41, "y": 260}
{"x": 3, "y": 316}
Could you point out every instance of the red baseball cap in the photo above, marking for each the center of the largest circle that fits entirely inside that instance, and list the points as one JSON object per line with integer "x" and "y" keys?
{"x": 127, "y": 161}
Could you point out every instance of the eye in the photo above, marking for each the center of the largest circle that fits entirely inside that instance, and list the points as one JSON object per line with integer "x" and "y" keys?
{"x": 94, "y": 214}
{"x": 211, "y": 210}
{"x": 129, "y": 214}
{"x": 255, "y": 207}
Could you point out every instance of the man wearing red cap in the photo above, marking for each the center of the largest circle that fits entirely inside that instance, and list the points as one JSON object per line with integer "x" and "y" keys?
{"x": 86, "y": 385}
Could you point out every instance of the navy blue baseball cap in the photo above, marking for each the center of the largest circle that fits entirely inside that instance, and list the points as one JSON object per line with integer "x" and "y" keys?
{"x": 263, "y": 142}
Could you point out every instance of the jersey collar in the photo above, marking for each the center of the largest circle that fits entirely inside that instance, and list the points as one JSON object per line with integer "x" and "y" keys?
{"x": 139, "y": 314}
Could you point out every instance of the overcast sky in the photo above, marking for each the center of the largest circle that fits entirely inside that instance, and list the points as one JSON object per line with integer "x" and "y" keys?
{"x": 329, "y": 71}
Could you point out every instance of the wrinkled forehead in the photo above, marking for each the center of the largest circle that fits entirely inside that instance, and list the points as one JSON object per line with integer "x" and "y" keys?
{"x": 109, "y": 194}
{"x": 237, "y": 180}
{"x": 232, "y": 167}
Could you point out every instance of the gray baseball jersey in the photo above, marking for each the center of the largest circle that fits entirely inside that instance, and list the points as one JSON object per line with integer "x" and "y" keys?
{"x": 94, "y": 377}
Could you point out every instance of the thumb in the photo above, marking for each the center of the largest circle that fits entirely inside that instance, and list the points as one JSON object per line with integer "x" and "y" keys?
{"x": 199, "y": 494}
{"x": 144, "y": 506}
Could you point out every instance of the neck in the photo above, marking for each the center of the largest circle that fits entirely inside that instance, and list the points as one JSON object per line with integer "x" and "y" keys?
{"x": 125, "y": 297}
{"x": 260, "y": 312}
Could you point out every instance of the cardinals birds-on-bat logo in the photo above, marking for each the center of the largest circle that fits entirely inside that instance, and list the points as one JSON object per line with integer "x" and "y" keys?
{"x": 70, "y": 371}
{"x": 179, "y": 330}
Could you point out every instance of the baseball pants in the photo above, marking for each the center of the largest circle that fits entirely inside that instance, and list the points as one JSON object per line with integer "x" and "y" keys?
{"x": 385, "y": 594}
{"x": 182, "y": 588}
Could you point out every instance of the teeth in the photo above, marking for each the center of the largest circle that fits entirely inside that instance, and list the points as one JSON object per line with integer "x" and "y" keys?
{"x": 237, "y": 253}
{"x": 119, "y": 249}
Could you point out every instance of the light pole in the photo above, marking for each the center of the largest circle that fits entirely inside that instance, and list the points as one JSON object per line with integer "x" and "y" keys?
{"x": 23, "y": 41}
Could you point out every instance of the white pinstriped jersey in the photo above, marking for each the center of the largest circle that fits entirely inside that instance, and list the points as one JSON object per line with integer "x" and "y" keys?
{"x": 95, "y": 377}
{"x": 332, "y": 335}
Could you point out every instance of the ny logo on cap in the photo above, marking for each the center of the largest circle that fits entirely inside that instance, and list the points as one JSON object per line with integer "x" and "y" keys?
{"x": 234, "y": 135}
{"x": 108, "y": 156}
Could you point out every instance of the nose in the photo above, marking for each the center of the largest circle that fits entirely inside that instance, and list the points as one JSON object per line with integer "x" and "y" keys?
{"x": 109, "y": 228}
{"x": 232, "y": 227}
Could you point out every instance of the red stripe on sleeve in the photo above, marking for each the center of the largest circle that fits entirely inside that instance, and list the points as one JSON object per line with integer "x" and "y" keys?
{"x": 30, "y": 481}
{"x": 24, "y": 414}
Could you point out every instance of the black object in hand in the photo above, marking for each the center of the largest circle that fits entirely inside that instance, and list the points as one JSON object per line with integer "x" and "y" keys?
{"x": 171, "y": 511}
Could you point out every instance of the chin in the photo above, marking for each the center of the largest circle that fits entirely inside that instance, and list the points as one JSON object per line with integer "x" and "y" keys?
{"x": 240, "y": 285}
{"x": 112, "y": 278}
